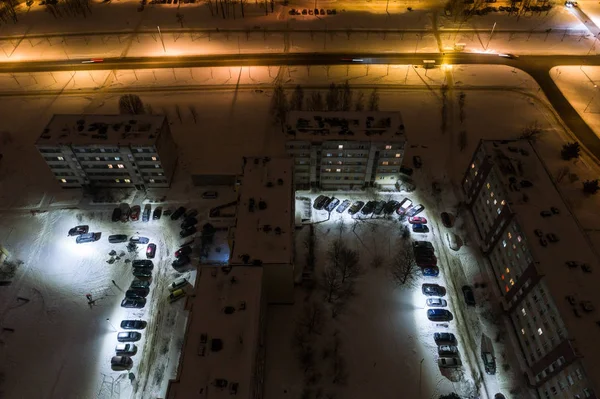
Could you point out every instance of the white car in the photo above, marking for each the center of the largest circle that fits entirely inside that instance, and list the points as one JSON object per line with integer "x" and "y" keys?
{"x": 178, "y": 283}
{"x": 437, "y": 302}
{"x": 453, "y": 241}
{"x": 449, "y": 362}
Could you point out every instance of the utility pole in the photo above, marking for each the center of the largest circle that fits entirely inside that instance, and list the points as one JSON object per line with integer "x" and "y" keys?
{"x": 161, "y": 39}
{"x": 491, "y": 34}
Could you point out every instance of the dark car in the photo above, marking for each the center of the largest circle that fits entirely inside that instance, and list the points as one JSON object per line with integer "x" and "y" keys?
{"x": 157, "y": 213}
{"x": 139, "y": 284}
{"x": 181, "y": 261}
{"x": 125, "y": 212}
{"x": 446, "y": 219}
{"x": 320, "y": 202}
{"x": 143, "y": 264}
{"x": 431, "y": 271}
{"x": 139, "y": 240}
{"x": 390, "y": 207}
{"x": 192, "y": 213}
{"x": 189, "y": 222}
{"x": 420, "y": 228}
{"x": 444, "y": 338}
{"x": 417, "y": 162}
{"x": 406, "y": 171}
{"x": 142, "y": 273}
{"x": 186, "y": 250}
{"x": 136, "y": 303}
{"x": 368, "y": 208}
{"x": 332, "y": 204}
{"x": 125, "y": 349}
{"x": 425, "y": 259}
{"x": 117, "y": 238}
{"x": 422, "y": 245}
{"x": 343, "y": 206}
{"x": 121, "y": 363}
{"x": 404, "y": 206}
{"x": 469, "y": 296}
{"x": 129, "y": 336}
{"x": 146, "y": 214}
{"x": 133, "y": 324}
{"x": 415, "y": 210}
{"x": 88, "y": 237}
{"x": 178, "y": 213}
{"x": 150, "y": 251}
{"x": 135, "y": 212}
{"x": 137, "y": 293}
{"x": 379, "y": 207}
{"x": 439, "y": 315}
{"x": 187, "y": 232}
{"x": 79, "y": 230}
{"x": 357, "y": 206}
{"x": 116, "y": 215}
{"x": 433, "y": 290}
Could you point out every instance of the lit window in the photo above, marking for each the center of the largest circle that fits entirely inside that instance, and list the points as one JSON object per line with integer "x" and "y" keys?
{"x": 61, "y": 159}
{"x": 507, "y": 270}
{"x": 499, "y": 211}
{"x": 502, "y": 277}
{"x": 495, "y": 202}
{"x": 506, "y": 288}
{"x": 509, "y": 235}
{"x": 519, "y": 238}
{"x": 117, "y": 181}
{"x": 385, "y": 163}
{"x": 154, "y": 158}
{"x": 151, "y": 180}
{"x": 340, "y": 163}
{"x": 472, "y": 166}
{"x": 523, "y": 331}
{"x": 540, "y": 332}
{"x": 328, "y": 154}
{"x": 127, "y": 181}
{"x": 512, "y": 282}
{"x": 488, "y": 186}
{"x": 117, "y": 158}
{"x": 156, "y": 166}
{"x": 492, "y": 194}
{"x": 523, "y": 311}
{"x": 502, "y": 202}
{"x": 327, "y": 170}
{"x": 397, "y": 155}
{"x": 120, "y": 165}
{"x": 109, "y": 166}
{"x": 475, "y": 173}
{"x": 504, "y": 243}
{"x": 466, "y": 181}
{"x": 63, "y": 180}
{"x": 338, "y": 170}
{"x": 97, "y": 158}
{"x": 340, "y": 147}
{"x": 388, "y": 147}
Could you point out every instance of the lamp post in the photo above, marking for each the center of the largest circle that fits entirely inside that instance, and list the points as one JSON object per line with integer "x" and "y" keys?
{"x": 161, "y": 39}
{"x": 113, "y": 327}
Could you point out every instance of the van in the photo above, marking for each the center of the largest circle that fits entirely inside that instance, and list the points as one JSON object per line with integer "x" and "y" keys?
{"x": 88, "y": 237}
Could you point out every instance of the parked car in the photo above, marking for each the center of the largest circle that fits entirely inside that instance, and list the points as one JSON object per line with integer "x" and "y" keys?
{"x": 139, "y": 284}
{"x": 368, "y": 208}
{"x": 320, "y": 202}
{"x": 120, "y": 363}
{"x": 441, "y": 338}
{"x": 125, "y": 212}
{"x": 422, "y": 245}
{"x": 187, "y": 232}
{"x": 116, "y": 215}
{"x": 345, "y": 204}
{"x": 185, "y": 250}
{"x": 469, "y": 296}
{"x": 135, "y": 212}
{"x": 151, "y": 251}
{"x": 139, "y": 240}
{"x": 404, "y": 206}
{"x": 433, "y": 290}
{"x": 175, "y": 295}
{"x": 425, "y": 260}
{"x": 431, "y": 271}
{"x": 423, "y": 254}
{"x": 146, "y": 214}
{"x": 390, "y": 207}
{"x": 157, "y": 213}
{"x": 125, "y": 349}
{"x": 357, "y": 206}
{"x": 88, "y": 237}
{"x": 417, "y": 162}
{"x": 137, "y": 293}
{"x": 436, "y": 302}
{"x": 210, "y": 195}
{"x": 181, "y": 261}
{"x": 142, "y": 273}
{"x": 189, "y": 222}
{"x": 439, "y": 315}
{"x": 453, "y": 242}
{"x": 449, "y": 362}
{"x": 448, "y": 350}
{"x": 406, "y": 171}
{"x": 143, "y": 264}
{"x": 129, "y": 336}
{"x": 446, "y": 219}
{"x": 136, "y": 303}
{"x": 420, "y": 228}
{"x": 178, "y": 283}
{"x": 415, "y": 210}
{"x": 379, "y": 206}
{"x": 417, "y": 220}
{"x": 332, "y": 204}
{"x": 133, "y": 324}
{"x": 78, "y": 230}
{"x": 192, "y": 213}
{"x": 406, "y": 184}
{"x": 178, "y": 213}
{"x": 117, "y": 238}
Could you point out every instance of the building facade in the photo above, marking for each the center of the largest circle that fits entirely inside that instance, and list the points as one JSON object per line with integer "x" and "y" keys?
{"x": 345, "y": 150}
{"x": 541, "y": 263}
{"x": 109, "y": 150}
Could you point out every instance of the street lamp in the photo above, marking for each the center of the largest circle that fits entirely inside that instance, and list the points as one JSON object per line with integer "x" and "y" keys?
{"x": 161, "y": 39}
{"x": 113, "y": 327}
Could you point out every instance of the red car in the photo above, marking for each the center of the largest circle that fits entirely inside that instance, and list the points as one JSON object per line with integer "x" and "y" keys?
{"x": 417, "y": 220}
{"x": 135, "y": 212}
{"x": 183, "y": 251}
{"x": 150, "y": 251}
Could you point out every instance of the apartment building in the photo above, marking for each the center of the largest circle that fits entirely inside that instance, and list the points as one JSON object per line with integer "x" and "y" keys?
{"x": 345, "y": 150}
{"x": 543, "y": 265}
{"x": 109, "y": 150}
{"x": 224, "y": 347}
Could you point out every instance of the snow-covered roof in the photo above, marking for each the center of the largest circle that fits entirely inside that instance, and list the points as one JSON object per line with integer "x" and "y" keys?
{"x": 73, "y": 129}
{"x": 358, "y": 125}
{"x": 511, "y": 159}
{"x": 222, "y": 335}
{"x": 264, "y": 225}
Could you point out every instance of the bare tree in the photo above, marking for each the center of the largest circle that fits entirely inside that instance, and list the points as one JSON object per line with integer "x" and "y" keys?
{"x": 561, "y": 173}
{"x": 297, "y": 101}
{"x": 315, "y": 102}
{"x": 194, "y": 113}
{"x": 333, "y": 98}
{"x": 404, "y": 269}
{"x": 178, "y": 113}
{"x": 360, "y": 102}
{"x": 131, "y": 104}
{"x": 461, "y": 106}
{"x": 179, "y": 17}
{"x": 332, "y": 283}
{"x": 312, "y": 318}
{"x": 279, "y": 105}
{"x": 374, "y": 101}
{"x": 346, "y": 97}
{"x": 346, "y": 260}
{"x": 531, "y": 132}
{"x": 462, "y": 140}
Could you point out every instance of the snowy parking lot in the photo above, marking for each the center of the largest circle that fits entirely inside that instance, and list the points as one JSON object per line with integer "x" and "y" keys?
{"x": 55, "y": 343}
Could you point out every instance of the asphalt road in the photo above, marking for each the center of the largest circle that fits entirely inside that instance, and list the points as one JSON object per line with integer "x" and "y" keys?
{"x": 537, "y": 66}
